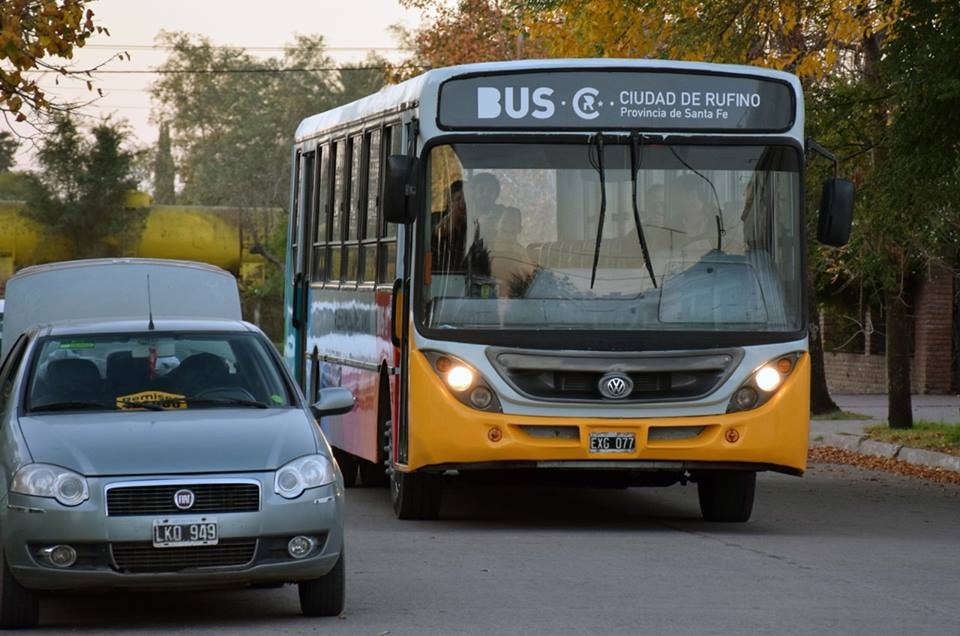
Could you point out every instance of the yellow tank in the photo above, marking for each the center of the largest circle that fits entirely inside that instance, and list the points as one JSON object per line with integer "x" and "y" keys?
{"x": 208, "y": 235}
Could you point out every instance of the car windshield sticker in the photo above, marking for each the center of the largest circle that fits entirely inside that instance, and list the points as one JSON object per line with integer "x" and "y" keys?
{"x": 158, "y": 398}
{"x": 276, "y": 399}
{"x": 77, "y": 345}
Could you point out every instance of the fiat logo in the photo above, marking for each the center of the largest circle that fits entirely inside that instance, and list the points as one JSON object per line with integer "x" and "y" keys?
{"x": 615, "y": 386}
{"x": 184, "y": 499}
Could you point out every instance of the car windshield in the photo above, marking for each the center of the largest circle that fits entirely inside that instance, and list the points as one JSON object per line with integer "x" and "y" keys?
{"x": 541, "y": 236}
{"x": 155, "y": 371}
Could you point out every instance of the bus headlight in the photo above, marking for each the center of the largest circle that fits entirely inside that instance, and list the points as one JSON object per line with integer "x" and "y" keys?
{"x": 464, "y": 382}
{"x": 763, "y": 383}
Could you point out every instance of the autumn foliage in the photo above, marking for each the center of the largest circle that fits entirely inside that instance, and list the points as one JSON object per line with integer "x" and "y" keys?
{"x": 32, "y": 32}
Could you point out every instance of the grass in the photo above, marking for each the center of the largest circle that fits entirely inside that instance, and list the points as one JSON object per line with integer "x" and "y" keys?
{"x": 935, "y": 436}
{"x": 841, "y": 415}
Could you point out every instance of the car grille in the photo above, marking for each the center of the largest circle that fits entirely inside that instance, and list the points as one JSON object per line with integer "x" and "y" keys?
{"x": 142, "y": 557}
{"x": 159, "y": 499}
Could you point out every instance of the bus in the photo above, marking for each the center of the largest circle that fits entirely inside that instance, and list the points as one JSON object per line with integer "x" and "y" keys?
{"x": 572, "y": 271}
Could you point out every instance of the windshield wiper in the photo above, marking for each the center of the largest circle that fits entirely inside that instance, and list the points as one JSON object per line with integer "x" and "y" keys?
{"x": 227, "y": 402}
{"x": 720, "y": 229}
{"x": 636, "y": 159}
{"x": 150, "y": 406}
{"x": 603, "y": 206}
{"x": 71, "y": 405}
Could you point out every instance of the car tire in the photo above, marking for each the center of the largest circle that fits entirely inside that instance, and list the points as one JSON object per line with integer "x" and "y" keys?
{"x": 348, "y": 466}
{"x": 416, "y": 495}
{"x": 19, "y": 607}
{"x": 325, "y": 596}
{"x": 726, "y": 496}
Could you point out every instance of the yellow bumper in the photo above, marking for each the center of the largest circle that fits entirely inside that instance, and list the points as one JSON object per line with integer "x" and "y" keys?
{"x": 443, "y": 431}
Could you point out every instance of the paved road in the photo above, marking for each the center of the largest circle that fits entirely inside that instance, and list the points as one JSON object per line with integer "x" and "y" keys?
{"x": 839, "y": 551}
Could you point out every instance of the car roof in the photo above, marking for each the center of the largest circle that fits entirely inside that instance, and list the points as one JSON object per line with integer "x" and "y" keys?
{"x": 93, "y": 327}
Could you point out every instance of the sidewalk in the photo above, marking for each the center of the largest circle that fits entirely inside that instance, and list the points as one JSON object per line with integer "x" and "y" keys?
{"x": 849, "y": 434}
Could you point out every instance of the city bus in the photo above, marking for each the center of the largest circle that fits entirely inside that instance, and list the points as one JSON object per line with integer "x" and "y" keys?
{"x": 587, "y": 272}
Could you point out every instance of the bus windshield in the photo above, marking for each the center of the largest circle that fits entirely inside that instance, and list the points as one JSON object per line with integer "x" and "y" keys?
{"x": 512, "y": 240}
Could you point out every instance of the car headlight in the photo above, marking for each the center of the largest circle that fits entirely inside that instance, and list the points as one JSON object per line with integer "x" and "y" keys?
{"x": 303, "y": 473}
{"x": 44, "y": 480}
{"x": 763, "y": 383}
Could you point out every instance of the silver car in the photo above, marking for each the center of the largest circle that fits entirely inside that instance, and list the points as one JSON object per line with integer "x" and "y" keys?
{"x": 174, "y": 454}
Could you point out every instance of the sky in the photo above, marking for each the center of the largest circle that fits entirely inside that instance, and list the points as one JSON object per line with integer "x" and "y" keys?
{"x": 350, "y": 28}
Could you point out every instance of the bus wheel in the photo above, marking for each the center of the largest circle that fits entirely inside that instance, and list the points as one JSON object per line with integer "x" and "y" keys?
{"x": 373, "y": 475}
{"x": 415, "y": 495}
{"x": 726, "y": 495}
{"x": 348, "y": 466}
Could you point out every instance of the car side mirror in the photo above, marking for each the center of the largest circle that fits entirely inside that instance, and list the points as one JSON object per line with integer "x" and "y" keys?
{"x": 333, "y": 401}
{"x": 400, "y": 189}
{"x": 836, "y": 212}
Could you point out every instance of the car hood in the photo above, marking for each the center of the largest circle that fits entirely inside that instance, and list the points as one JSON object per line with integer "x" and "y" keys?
{"x": 169, "y": 442}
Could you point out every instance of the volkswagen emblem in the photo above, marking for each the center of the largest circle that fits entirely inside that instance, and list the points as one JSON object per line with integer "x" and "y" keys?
{"x": 184, "y": 499}
{"x": 615, "y": 386}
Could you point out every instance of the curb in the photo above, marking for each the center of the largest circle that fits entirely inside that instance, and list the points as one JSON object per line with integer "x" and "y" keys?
{"x": 860, "y": 444}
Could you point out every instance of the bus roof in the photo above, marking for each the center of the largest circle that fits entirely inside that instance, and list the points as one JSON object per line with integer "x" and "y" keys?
{"x": 424, "y": 88}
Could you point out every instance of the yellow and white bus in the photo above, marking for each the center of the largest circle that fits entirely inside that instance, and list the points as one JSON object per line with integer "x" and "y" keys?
{"x": 587, "y": 270}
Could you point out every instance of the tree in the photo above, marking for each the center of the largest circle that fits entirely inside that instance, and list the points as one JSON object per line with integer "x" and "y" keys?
{"x": 8, "y": 151}
{"x": 80, "y": 191}
{"x": 32, "y": 32}
{"x": 465, "y": 32}
{"x": 164, "y": 171}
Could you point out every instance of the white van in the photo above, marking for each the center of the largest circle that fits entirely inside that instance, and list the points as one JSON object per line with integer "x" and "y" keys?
{"x": 114, "y": 289}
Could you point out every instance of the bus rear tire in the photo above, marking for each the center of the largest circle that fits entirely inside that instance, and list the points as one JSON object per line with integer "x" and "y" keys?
{"x": 373, "y": 475}
{"x": 348, "y": 466}
{"x": 415, "y": 495}
{"x": 726, "y": 496}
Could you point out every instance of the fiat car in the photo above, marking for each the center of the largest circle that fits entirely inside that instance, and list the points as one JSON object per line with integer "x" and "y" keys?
{"x": 163, "y": 454}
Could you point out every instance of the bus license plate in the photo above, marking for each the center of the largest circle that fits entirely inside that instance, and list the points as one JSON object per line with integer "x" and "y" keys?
{"x": 613, "y": 442}
{"x": 179, "y": 533}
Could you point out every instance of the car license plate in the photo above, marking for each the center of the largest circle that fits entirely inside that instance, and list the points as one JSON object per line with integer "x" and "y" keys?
{"x": 613, "y": 442}
{"x": 179, "y": 533}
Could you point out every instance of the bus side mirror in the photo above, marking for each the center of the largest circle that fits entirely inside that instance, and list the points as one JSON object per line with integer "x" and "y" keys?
{"x": 836, "y": 212}
{"x": 400, "y": 189}
{"x": 333, "y": 401}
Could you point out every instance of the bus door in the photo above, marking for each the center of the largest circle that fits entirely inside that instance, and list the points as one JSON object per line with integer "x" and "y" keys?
{"x": 300, "y": 259}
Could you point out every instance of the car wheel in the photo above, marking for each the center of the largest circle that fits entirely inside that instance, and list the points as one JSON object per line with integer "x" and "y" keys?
{"x": 19, "y": 607}
{"x": 324, "y": 596}
{"x": 416, "y": 495}
{"x": 726, "y": 496}
{"x": 348, "y": 466}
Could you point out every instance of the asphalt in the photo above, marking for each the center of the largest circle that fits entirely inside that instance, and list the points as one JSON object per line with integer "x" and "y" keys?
{"x": 850, "y": 435}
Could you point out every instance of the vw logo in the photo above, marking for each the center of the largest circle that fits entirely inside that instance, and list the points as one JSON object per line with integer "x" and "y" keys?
{"x": 615, "y": 386}
{"x": 184, "y": 499}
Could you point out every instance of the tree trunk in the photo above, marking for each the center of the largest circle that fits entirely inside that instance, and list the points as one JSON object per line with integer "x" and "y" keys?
{"x": 820, "y": 400}
{"x": 899, "y": 406}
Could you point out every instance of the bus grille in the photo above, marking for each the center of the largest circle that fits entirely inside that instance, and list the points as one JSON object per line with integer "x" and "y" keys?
{"x": 142, "y": 557}
{"x": 575, "y": 376}
{"x": 158, "y": 499}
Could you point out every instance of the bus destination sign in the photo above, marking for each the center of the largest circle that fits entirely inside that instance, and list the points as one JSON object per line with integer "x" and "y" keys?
{"x": 646, "y": 100}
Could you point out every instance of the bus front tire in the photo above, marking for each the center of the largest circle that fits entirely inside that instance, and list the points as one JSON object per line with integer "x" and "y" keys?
{"x": 324, "y": 596}
{"x": 415, "y": 495}
{"x": 726, "y": 496}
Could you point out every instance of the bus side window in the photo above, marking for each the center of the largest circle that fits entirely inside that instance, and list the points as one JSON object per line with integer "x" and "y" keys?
{"x": 372, "y": 217}
{"x": 321, "y": 207}
{"x": 387, "y": 269}
{"x": 334, "y": 251}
